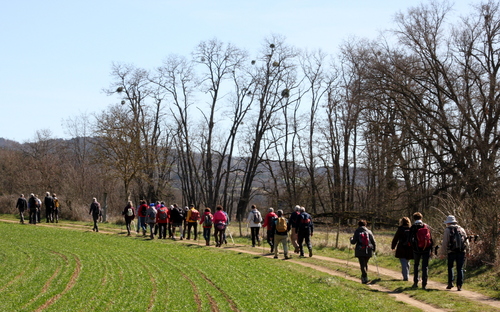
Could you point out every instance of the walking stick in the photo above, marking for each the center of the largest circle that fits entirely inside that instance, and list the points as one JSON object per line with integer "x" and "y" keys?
{"x": 376, "y": 264}
{"x": 348, "y": 256}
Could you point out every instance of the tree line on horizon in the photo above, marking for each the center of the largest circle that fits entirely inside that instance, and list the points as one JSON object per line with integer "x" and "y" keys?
{"x": 403, "y": 123}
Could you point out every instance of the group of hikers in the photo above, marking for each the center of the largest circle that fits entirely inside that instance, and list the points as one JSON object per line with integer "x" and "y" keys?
{"x": 410, "y": 242}
{"x": 415, "y": 242}
{"x": 34, "y": 205}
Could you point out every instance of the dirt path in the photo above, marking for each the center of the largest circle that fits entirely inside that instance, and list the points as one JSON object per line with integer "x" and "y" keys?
{"x": 351, "y": 263}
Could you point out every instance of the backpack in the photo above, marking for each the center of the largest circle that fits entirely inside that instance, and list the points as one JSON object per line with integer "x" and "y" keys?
{"x": 281, "y": 225}
{"x": 456, "y": 240}
{"x": 304, "y": 220}
{"x": 221, "y": 226}
{"x": 130, "y": 212}
{"x": 56, "y": 203}
{"x": 152, "y": 214}
{"x": 195, "y": 215}
{"x": 162, "y": 214}
{"x": 404, "y": 240}
{"x": 423, "y": 237}
{"x": 256, "y": 217}
{"x": 364, "y": 241}
{"x": 208, "y": 220}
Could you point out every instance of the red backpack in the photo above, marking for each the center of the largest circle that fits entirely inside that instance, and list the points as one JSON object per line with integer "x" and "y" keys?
{"x": 424, "y": 237}
{"x": 195, "y": 215}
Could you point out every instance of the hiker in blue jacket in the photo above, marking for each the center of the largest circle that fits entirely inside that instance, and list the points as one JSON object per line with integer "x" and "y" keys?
{"x": 364, "y": 249}
{"x": 305, "y": 229}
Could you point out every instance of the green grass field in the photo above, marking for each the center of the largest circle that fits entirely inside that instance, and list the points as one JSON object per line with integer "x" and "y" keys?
{"x": 58, "y": 269}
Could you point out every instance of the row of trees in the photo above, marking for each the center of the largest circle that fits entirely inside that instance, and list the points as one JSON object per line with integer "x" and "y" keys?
{"x": 405, "y": 123}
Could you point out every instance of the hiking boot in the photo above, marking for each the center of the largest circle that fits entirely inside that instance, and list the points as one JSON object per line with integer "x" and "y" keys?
{"x": 450, "y": 286}
{"x": 301, "y": 254}
{"x": 287, "y": 257}
{"x": 275, "y": 257}
{"x": 459, "y": 288}
{"x": 415, "y": 285}
{"x": 424, "y": 287}
{"x": 310, "y": 252}
{"x": 364, "y": 280}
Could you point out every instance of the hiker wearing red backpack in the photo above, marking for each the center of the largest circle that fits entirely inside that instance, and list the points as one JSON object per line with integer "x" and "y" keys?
{"x": 162, "y": 220}
{"x": 364, "y": 249}
{"x": 193, "y": 216}
{"x": 422, "y": 243}
{"x": 402, "y": 244}
{"x": 268, "y": 220}
{"x": 454, "y": 246}
{"x": 207, "y": 221}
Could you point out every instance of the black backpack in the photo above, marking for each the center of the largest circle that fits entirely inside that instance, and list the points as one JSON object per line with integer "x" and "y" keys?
{"x": 456, "y": 240}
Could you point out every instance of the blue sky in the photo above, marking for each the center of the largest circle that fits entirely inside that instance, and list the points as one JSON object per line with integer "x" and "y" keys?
{"x": 56, "y": 56}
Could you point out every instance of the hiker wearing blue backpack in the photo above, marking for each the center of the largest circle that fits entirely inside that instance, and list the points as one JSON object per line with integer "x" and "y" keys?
{"x": 401, "y": 243}
{"x": 421, "y": 240}
{"x": 305, "y": 229}
{"x": 364, "y": 249}
{"x": 454, "y": 246}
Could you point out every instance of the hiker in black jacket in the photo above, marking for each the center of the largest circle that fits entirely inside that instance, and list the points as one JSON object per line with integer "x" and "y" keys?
{"x": 422, "y": 243}
{"x": 364, "y": 249}
{"x": 21, "y": 205}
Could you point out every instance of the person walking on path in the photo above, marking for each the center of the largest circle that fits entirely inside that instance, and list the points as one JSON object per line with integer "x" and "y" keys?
{"x": 177, "y": 217}
{"x": 207, "y": 222}
{"x": 141, "y": 213}
{"x": 33, "y": 207}
{"x": 454, "y": 246}
{"x": 422, "y": 243}
{"x": 129, "y": 214}
{"x": 401, "y": 243}
{"x": 220, "y": 223}
{"x": 364, "y": 249}
{"x": 280, "y": 226}
{"x": 21, "y": 205}
{"x": 162, "y": 220}
{"x": 305, "y": 228}
{"x": 95, "y": 211}
{"x": 193, "y": 216}
{"x": 151, "y": 219}
{"x": 254, "y": 220}
{"x": 268, "y": 222}
{"x": 293, "y": 223}
{"x": 49, "y": 207}
{"x": 57, "y": 205}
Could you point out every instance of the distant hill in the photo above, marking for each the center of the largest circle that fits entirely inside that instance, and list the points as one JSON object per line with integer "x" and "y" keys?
{"x": 4, "y": 143}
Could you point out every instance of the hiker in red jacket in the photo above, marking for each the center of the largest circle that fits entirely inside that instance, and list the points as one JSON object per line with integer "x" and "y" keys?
{"x": 268, "y": 219}
{"x": 220, "y": 223}
{"x": 162, "y": 221}
{"x": 141, "y": 213}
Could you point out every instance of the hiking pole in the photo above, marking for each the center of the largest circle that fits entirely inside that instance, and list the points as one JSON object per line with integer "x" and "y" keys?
{"x": 376, "y": 264}
{"x": 348, "y": 256}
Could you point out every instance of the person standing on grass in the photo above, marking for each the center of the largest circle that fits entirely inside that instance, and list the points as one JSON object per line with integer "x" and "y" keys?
{"x": 454, "y": 246}
{"x": 220, "y": 223}
{"x": 402, "y": 244}
{"x": 33, "y": 207}
{"x": 129, "y": 214}
{"x": 162, "y": 221}
{"x": 141, "y": 213}
{"x": 39, "y": 209}
{"x": 193, "y": 216}
{"x": 364, "y": 249}
{"x": 177, "y": 216}
{"x": 305, "y": 228}
{"x": 56, "y": 207}
{"x": 95, "y": 211}
{"x": 21, "y": 205}
{"x": 280, "y": 227}
{"x": 422, "y": 243}
{"x": 293, "y": 223}
{"x": 49, "y": 207}
{"x": 207, "y": 222}
{"x": 254, "y": 220}
{"x": 268, "y": 220}
{"x": 151, "y": 219}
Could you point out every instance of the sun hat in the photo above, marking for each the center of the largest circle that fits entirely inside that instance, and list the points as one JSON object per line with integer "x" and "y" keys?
{"x": 450, "y": 219}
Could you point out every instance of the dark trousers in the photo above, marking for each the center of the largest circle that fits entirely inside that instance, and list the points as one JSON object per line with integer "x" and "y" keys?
{"x": 270, "y": 239}
{"x": 193, "y": 225}
{"x": 56, "y": 214}
{"x": 21, "y": 215}
{"x": 96, "y": 219}
{"x": 255, "y": 235}
{"x": 206, "y": 234}
{"x": 162, "y": 229}
{"x": 219, "y": 236}
{"x": 459, "y": 258}
{"x": 304, "y": 234}
{"x": 425, "y": 266}
{"x": 49, "y": 214}
{"x": 363, "y": 265}
{"x": 33, "y": 216}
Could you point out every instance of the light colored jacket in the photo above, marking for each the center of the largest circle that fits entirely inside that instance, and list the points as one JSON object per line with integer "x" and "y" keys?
{"x": 250, "y": 218}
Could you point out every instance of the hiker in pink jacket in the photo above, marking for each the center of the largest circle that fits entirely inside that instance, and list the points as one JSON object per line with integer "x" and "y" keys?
{"x": 220, "y": 222}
